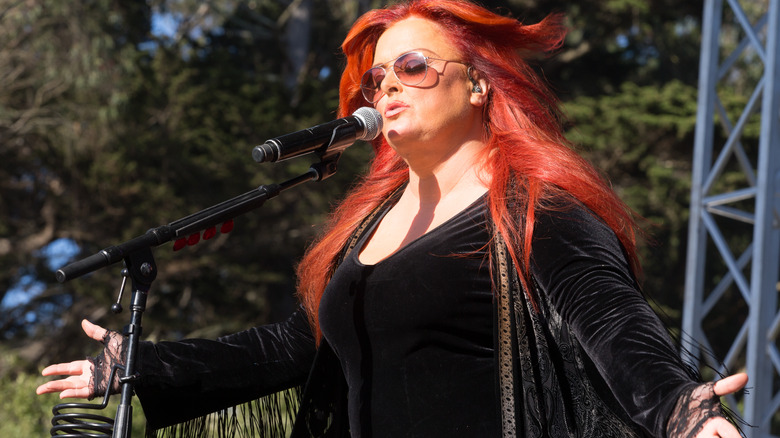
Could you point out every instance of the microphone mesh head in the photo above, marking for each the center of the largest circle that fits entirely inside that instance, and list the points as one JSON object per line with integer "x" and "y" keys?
{"x": 372, "y": 122}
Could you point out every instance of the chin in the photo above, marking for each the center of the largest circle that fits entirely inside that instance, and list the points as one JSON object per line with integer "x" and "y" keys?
{"x": 402, "y": 139}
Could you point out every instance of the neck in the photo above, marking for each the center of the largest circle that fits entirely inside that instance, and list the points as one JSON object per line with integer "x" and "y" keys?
{"x": 462, "y": 171}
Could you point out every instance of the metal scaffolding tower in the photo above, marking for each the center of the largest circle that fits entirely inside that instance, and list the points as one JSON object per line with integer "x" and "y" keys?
{"x": 739, "y": 228}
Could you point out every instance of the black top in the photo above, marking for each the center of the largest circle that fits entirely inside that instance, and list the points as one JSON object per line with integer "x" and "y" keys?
{"x": 591, "y": 350}
{"x": 414, "y": 334}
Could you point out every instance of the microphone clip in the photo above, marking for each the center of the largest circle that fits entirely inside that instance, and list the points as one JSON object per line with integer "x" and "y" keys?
{"x": 329, "y": 154}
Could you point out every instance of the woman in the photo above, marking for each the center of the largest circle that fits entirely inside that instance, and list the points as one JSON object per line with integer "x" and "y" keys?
{"x": 480, "y": 281}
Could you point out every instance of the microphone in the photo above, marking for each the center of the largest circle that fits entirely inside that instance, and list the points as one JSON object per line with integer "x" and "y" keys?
{"x": 363, "y": 124}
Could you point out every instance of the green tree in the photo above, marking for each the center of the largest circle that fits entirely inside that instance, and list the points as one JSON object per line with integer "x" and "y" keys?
{"x": 145, "y": 129}
{"x": 58, "y": 65}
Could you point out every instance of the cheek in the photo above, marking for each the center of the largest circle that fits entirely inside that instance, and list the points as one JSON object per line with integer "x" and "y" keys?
{"x": 456, "y": 89}
{"x": 448, "y": 92}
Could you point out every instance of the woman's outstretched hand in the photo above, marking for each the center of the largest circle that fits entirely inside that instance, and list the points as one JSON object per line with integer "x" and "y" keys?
{"x": 719, "y": 426}
{"x": 80, "y": 383}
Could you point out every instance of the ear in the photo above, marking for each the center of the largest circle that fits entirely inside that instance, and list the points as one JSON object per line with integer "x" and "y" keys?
{"x": 479, "y": 87}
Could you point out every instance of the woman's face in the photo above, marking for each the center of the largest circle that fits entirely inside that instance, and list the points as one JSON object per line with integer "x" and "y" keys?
{"x": 426, "y": 120}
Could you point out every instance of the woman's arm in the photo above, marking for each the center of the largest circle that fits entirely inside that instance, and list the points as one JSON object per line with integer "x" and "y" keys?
{"x": 185, "y": 379}
{"x": 193, "y": 377}
{"x": 580, "y": 265}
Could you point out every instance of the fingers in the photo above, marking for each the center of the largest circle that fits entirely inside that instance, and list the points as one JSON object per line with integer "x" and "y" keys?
{"x": 79, "y": 392}
{"x": 730, "y": 384}
{"x": 46, "y": 388}
{"x": 66, "y": 369}
{"x": 80, "y": 366}
{"x": 727, "y": 430}
{"x": 718, "y": 427}
{"x": 74, "y": 386}
{"x": 53, "y": 386}
{"x": 75, "y": 393}
{"x": 95, "y": 332}
{"x": 79, "y": 372}
{"x": 77, "y": 385}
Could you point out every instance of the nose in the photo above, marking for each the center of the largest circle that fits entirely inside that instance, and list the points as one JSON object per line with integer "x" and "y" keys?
{"x": 390, "y": 84}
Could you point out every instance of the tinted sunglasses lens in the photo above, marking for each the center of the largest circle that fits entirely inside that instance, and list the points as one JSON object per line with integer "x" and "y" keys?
{"x": 370, "y": 83}
{"x": 411, "y": 68}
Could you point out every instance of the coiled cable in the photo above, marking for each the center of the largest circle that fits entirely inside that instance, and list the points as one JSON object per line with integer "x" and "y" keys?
{"x": 83, "y": 424}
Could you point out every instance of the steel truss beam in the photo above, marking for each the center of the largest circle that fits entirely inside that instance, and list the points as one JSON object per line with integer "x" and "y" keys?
{"x": 750, "y": 273}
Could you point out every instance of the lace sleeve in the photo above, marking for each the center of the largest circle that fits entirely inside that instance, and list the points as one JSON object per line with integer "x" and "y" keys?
{"x": 694, "y": 407}
{"x": 114, "y": 352}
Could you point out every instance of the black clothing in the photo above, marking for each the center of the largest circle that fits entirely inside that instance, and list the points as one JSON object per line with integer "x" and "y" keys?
{"x": 592, "y": 355}
{"x": 590, "y": 358}
{"x": 414, "y": 334}
{"x": 186, "y": 379}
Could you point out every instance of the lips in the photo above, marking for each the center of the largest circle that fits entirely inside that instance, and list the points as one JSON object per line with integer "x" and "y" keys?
{"x": 394, "y": 108}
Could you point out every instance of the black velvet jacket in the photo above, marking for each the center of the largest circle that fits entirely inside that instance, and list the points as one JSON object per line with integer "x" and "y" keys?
{"x": 591, "y": 360}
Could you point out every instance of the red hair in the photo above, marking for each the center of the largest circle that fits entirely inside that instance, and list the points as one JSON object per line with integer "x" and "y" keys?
{"x": 525, "y": 142}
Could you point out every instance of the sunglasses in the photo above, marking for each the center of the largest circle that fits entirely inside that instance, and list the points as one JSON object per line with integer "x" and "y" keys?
{"x": 410, "y": 69}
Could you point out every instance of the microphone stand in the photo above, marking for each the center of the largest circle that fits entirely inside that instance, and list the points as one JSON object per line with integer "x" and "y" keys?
{"x": 142, "y": 271}
{"x": 141, "y": 268}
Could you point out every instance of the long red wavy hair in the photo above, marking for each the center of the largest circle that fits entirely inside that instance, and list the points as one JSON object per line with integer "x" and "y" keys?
{"x": 526, "y": 147}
